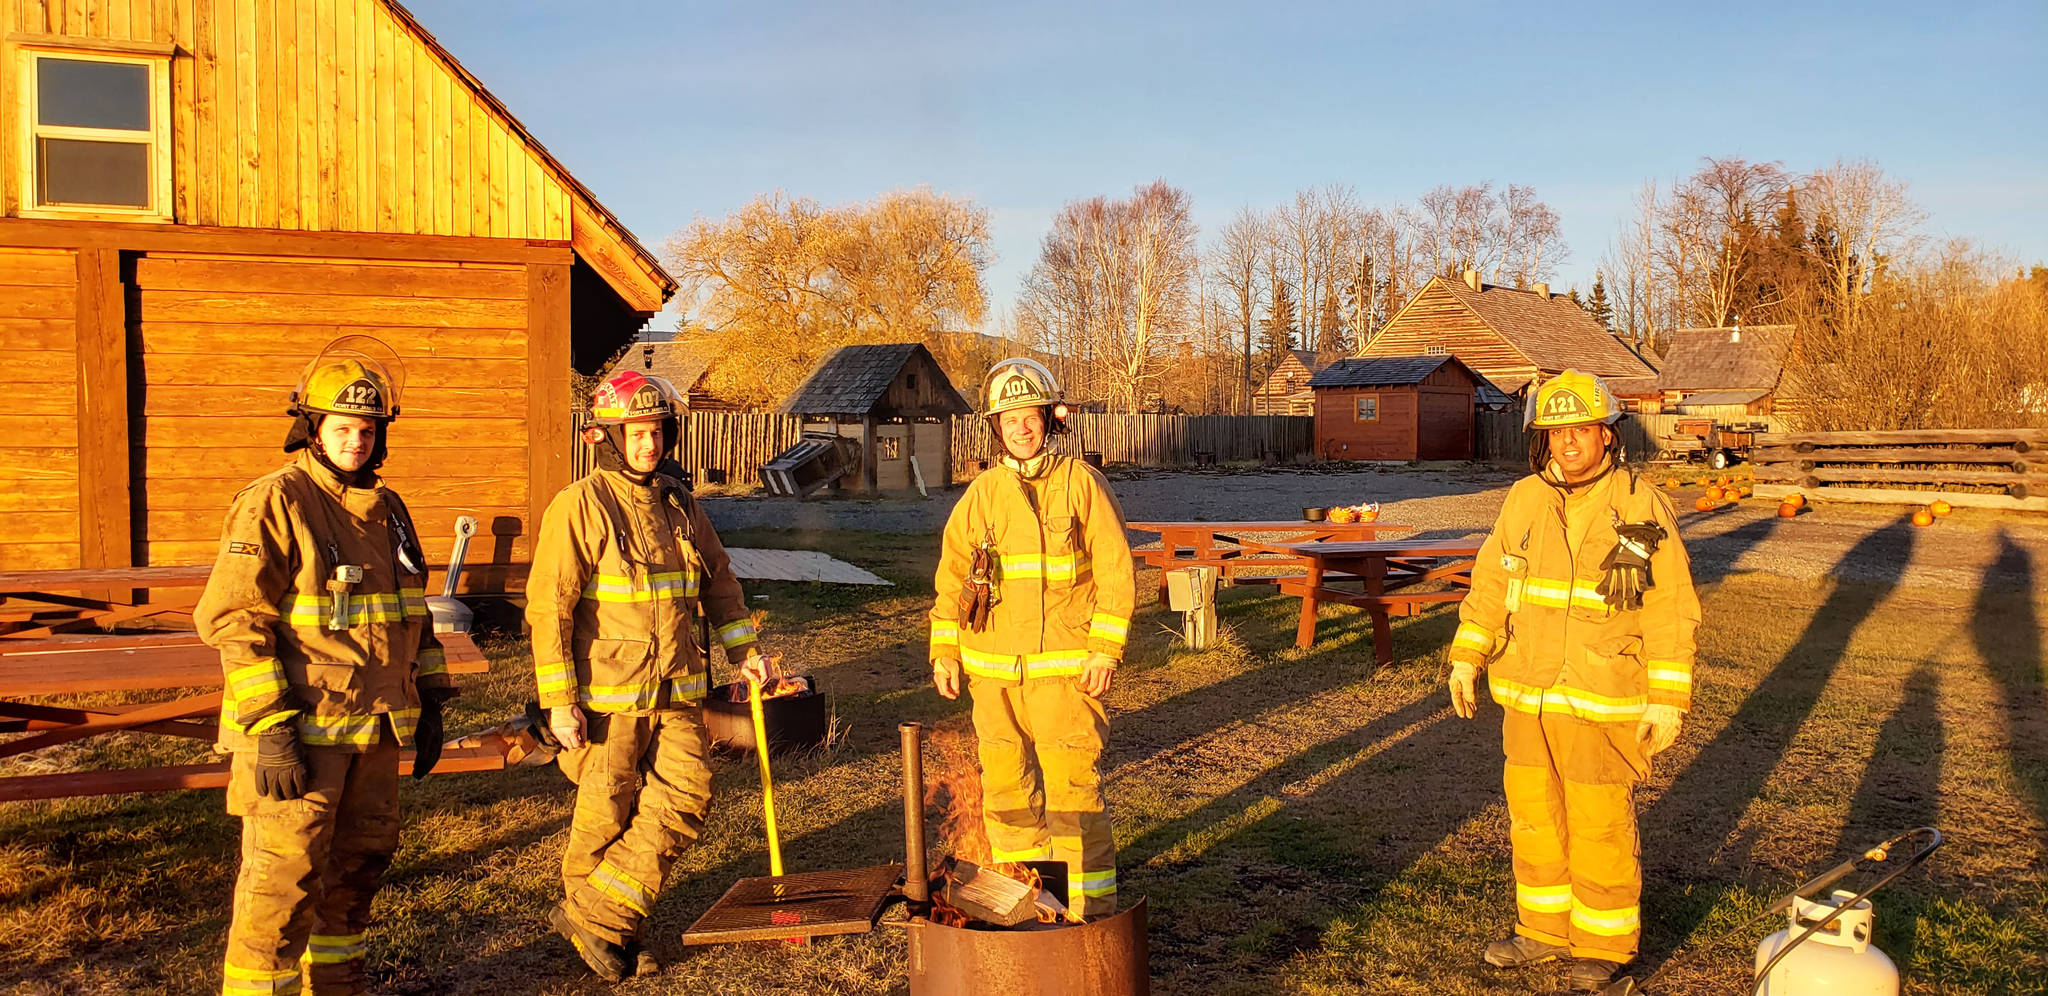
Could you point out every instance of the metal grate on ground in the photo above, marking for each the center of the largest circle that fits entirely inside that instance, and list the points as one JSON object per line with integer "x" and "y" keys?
{"x": 810, "y": 904}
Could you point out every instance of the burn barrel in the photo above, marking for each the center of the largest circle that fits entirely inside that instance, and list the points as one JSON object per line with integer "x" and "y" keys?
{"x": 794, "y": 722}
{"x": 1106, "y": 957}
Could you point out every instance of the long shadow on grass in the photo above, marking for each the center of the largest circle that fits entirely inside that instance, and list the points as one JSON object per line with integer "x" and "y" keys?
{"x": 1688, "y": 830}
{"x": 1713, "y": 557}
{"x": 2008, "y": 637}
{"x": 1901, "y": 786}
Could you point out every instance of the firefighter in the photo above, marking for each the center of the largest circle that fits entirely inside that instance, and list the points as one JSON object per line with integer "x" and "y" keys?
{"x": 1035, "y": 590}
{"x": 625, "y": 561}
{"x": 1582, "y": 605}
{"x": 317, "y": 604}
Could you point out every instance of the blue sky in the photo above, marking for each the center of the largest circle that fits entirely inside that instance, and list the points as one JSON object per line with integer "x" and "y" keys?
{"x": 670, "y": 111}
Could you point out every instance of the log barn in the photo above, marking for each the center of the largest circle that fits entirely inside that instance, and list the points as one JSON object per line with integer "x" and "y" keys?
{"x": 199, "y": 194}
{"x": 1285, "y": 391}
{"x": 1396, "y": 408}
{"x": 1508, "y": 336}
{"x": 893, "y": 398}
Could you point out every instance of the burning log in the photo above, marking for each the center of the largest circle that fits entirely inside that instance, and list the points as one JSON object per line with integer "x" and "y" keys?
{"x": 998, "y": 895}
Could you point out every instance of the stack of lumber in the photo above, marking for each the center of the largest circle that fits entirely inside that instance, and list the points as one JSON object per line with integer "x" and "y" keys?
{"x": 2008, "y": 468}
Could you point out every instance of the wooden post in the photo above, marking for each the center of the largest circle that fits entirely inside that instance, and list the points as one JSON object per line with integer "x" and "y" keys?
{"x": 105, "y": 521}
{"x": 547, "y": 388}
{"x": 868, "y": 464}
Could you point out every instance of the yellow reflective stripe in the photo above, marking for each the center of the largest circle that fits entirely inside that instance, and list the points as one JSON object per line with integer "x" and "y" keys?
{"x": 1049, "y": 567}
{"x": 660, "y": 584}
{"x": 1671, "y": 677}
{"x": 1055, "y": 663}
{"x": 736, "y": 634}
{"x": 945, "y": 634}
{"x": 347, "y": 731}
{"x": 644, "y": 695}
{"x": 415, "y": 600}
{"x": 558, "y": 677}
{"x": 274, "y": 719}
{"x": 1560, "y": 594}
{"x": 1093, "y": 883}
{"x": 621, "y": 886}
{"x": 243, "y": 981}
{"x": 1008, "y": 667}
{"x": 1474, "y": 636}
{"x": 252, "y": 683}
{"x": 1050, "y": 663}
{"x": 1041, "y": 852}
{"x": 688, "y": 689}
{"x": 363, "y": 607}
{"x": 334, "y": 949}
{"x": 1105, "y": 626}
{"x": 1544, "y": 898}
{"x": 1606, "y": 923}
{"x": 431, "y": 660}
{"x": 1576, "y": 702}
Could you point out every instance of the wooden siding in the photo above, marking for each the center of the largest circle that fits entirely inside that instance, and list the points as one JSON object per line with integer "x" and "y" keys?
{"x": 1436, "y": 317}
{"x": 318, "y": 115}
{"x": 39, "y": 438}
{"x": 1341, "y": 436}
{"x": 1280, "y": 396}
{"x": 219, "y": 341}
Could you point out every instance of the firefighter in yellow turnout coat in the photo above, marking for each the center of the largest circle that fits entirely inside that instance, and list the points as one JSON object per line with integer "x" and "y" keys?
{"x": 625, "y": 558}
{"x": 1035, "y": 592}
{"x": 1582, "y": 609}
{"x": 317, "y": 604}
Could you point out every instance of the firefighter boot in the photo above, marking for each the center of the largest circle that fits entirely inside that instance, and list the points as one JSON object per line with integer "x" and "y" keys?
{"x": 602, "y": 956}
{"x": 1591, "y": 975}
{"x": 639, "y": 959}
{"x": 1521, "y": 952}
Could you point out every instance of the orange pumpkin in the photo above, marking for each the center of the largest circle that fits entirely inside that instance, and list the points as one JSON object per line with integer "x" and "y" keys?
{"x": 1343, "y": 513}
{"x": 1796, "y": 500}
{"x": 1923, "y": 517}
{"x": 1705, "y": 504}
{"x": 1703, "y": 482}
{"x": 1745, "y": 490}
{"x": 1723, "y": 481}
{"x": 1787, "y": 510}
{"x": 1715, "y": 493}
{"x": 1940, "y": 507}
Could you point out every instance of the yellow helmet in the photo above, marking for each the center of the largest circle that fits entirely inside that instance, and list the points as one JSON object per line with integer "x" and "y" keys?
{"x": 1019, "y": 383}
{"x": 354, "y": 375}
{"x": 1571, "y": 398}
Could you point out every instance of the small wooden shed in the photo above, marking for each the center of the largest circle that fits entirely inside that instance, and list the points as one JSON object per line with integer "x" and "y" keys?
{"x": 1396, "y": 408}
{"x": 896, "y": 401}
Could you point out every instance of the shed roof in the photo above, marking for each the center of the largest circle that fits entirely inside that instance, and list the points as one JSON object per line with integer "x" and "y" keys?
{"x": 1631, "y": 387}
{"x": 672, "y": 360}
{"x": 1724, "y": 397}
{"x": 1726, "y": 359}
{"x": 1550, "y": 330}
{"x": 851, "y": 380}
{"x": 1382, "y": 371}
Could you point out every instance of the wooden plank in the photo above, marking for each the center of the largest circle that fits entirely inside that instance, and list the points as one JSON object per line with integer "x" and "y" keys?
{"x": 405, "y": 183}
{"x": 21, "y": 268}
{"x": 385, "y": 122}
{"x": 216, "y": 493}
{"x": 442, "y": 189}
{"x": 1890, "y": 454}
{"x": 250, "y": 194}
{"x": 425, "y": 185}
{"x": 40, "y": 527}
{"x": 518, "y": 550}
{"x": 41, "y": 429}
{"x": 102, "y": 374}
{"x": 38, "y": 463}
{"x": 461, "y": 209}
{"x": 251, "y": 462}
{"x": 302, "y": 309}
{"x": 189, "y": 337}
{"x": 1907, "y": 437}
{"x": 201, "y": 144}
{"x": 37, "y": 556}
{"x": 280, "y": 367}
{"x": 41, "y": 366}
{"x": 311, "y": 93}
{"x": 436, "y": 522}
{"x": 479, "y": 173}
{"x": 40, "y": 302}
{"x": 276, "y": 72}
{"x": 1891, "y": 496}
{"x": 1899, "y": 475}
{"x": 49, "y": 495}
{"x": 248, "y": 401}
{"x": 601, "y": 249}
{"x": 501, "y": 180}
{"x": 212, "y": 431}
{"x": 547, "y": 385}
{"x": 436, "y": 280}
{"x": 44, "y": 399}
{"x": 147, "y": 237}
{"x": 338, "y": 111}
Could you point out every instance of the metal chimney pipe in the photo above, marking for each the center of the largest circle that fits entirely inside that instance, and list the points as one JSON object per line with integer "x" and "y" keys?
{"x": 916, "y": 880}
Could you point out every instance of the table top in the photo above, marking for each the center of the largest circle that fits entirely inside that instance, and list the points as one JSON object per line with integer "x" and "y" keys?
{"x": 1269, "y": 526}
{"x": 19, "y": 582}
{"x": 134, "y": 661}
{"x": 1375, "y": 548}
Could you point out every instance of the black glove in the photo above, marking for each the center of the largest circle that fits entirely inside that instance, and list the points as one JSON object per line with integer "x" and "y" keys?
{"x": 1628, "y": 564}
{"x": 537, "y": 723}
{"x": 281, "y": 771}
{"x": 427, "y": 736}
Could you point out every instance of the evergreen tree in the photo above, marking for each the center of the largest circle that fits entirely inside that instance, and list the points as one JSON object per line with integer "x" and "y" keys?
{"x": 1597, "y": 305}
{"x": 1277, "y": 328}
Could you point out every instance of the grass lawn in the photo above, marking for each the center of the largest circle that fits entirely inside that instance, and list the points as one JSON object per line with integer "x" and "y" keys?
{"x": 1300, "y": 821}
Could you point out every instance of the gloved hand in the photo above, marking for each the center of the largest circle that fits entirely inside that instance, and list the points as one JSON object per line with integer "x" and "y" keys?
{"x": 1659, "y": 728}
{"x": 1095, "y": 678}
{"x": 946, "y": 676}
{"x": 537, "y": 721}
{"x": 429, "y": 733}
{"x": 567, "y": 724}
{"x": 758, "y": 668}
{"x": 1464, "y": 685}
{"x": 281, "y": 771}
{"x": 1627, "y": 566}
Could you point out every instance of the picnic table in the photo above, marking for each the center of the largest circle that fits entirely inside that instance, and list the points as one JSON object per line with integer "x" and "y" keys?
{"x": 1384, "y": 569}
{"x": 72, "y": 664}
{"x": 48, "y": 602}
{"x": 1223, "y": 545}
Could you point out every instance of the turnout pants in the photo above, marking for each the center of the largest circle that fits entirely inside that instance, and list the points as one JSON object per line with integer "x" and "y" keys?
{"x": 309, "y": 869}
{"x": 1041, "y": 786}
{"x": 642, "y": 789}
{"x": 1578, "y": 873}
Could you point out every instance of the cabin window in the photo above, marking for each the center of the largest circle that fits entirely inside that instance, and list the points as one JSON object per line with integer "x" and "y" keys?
{"x": 1368, "y": 408}
{"x": 1436, "y": 350}
{"x": 889, "y": 447}
{"x": 97, "y": 134}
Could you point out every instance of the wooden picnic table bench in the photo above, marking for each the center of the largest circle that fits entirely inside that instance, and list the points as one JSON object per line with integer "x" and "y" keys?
{"x": 1385, "y": 568}
{"x": 100, "y": 597}
{"x": 67, "y": 664}
{"x": 1204, "y": 543}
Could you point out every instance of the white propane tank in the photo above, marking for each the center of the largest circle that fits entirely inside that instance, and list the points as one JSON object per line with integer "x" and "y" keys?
{"x": 1838, "y": 960}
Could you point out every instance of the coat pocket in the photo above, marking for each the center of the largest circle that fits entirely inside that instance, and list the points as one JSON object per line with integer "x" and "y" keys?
{"x": 1612, "y": 668}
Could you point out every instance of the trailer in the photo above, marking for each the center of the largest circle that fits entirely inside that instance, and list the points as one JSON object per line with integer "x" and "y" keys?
{"x": 1718, "y": 444}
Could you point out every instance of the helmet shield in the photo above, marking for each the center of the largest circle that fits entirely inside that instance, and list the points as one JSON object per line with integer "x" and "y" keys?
{"x": 1019, "y": 383}
{"x": 354, "y": 375}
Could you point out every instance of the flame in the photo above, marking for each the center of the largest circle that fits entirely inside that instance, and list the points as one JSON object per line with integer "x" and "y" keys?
{"x": 953, "y": 786}
{"x": 779, "y": 688}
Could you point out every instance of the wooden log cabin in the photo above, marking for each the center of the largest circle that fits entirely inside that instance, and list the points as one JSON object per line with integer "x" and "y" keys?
{"x": 199, "y": 194}
{"x": 1508, "y": 336}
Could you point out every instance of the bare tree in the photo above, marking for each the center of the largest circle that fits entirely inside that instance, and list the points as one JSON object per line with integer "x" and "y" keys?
{"x": 1873, "y": 220}
{"x": 1234, "y": 260}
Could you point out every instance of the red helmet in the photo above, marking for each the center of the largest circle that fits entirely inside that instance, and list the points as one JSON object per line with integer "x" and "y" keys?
{"x": 631, "y": 396}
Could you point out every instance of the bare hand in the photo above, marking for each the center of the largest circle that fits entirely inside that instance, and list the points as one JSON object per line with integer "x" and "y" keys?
{"x": 1464, "y": 690}
{"x": 946, "y": 677}
{"x": 567, "y": 724}
{"x": 1101, "y": 670}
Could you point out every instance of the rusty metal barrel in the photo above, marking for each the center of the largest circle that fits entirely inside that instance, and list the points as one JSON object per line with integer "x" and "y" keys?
{"x": 1106, "y": 957}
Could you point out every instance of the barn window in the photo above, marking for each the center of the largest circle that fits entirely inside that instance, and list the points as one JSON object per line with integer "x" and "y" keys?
{"x": 1436, "y": 350}
{"x": 97, "y": 131}
{"x": 889, "y": 447}
{"x": 1368, "y": 408}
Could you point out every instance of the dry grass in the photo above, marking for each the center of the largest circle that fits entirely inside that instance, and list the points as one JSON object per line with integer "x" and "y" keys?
{"x": 1302, "y": 822}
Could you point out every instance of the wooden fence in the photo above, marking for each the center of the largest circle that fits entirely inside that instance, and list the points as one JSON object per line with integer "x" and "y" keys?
{"x": 716, "y": 446}
{"x": 1155, "y": 440}
{"x": 1498, "y": 436}
{"x": 1856, "y": 466}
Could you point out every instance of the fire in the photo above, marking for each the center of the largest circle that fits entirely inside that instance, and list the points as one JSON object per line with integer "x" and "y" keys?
{"x": 776, "y": 689}
{"x": 953, "y": 786}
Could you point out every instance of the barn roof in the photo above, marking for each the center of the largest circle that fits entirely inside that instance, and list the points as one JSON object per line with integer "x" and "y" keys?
{"x": 1724, "y": 397}
{"x": 1722, "y": 359}
{"x": 673, "y": 360}
{"x": 1382, "y": 371}
{"x": 851, "y": 380}
{"x": 1550, "y": 330}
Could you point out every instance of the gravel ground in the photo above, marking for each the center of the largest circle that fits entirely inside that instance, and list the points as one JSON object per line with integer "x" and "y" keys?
{"x": 1874, "y": 543}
